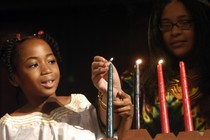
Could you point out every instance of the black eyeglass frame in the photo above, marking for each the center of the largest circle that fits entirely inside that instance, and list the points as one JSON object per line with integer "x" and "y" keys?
{"x": 181, "y": 24}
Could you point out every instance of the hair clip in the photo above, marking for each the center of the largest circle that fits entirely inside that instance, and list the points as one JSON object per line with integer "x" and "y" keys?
{"x": 41, "y": 32}
{"x": 18, "y": 36}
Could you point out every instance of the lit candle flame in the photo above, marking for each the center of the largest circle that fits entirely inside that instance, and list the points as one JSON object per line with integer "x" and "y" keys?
{"x": 111, "y": 59}
{"x": 160, "y": 61}
{"x": 139, "y": 61}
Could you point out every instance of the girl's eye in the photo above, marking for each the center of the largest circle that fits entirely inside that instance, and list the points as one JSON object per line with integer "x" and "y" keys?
{"x": 33, "y": 66}
{"x": 52, "y": 61}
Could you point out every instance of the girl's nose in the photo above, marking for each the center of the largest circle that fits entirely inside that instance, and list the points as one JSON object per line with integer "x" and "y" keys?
{"x": 45, "y": 69}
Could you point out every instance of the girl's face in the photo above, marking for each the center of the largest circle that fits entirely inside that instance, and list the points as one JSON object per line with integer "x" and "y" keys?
{"x": 178, "y": 39}
{"x": 38, "y": 73}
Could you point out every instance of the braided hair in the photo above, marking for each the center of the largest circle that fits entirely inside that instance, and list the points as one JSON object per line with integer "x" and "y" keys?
{"x": 9, "y": 49}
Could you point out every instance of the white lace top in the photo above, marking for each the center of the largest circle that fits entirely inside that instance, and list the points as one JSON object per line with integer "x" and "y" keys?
{"x": 75, "y": 121}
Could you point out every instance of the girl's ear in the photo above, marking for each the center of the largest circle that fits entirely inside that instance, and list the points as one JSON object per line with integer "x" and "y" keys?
{"x": 13, "y": 80}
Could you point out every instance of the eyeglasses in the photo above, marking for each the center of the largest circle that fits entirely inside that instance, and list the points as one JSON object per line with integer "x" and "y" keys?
{"x": 181, "y": 24}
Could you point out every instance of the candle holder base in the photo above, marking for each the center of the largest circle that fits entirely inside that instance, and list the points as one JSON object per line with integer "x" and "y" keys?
{"x": 137, "y": 134}
{"x": 206, "y": 135}
{"x": 189, "y": 135}
{"x": 142, "y": 134}
{"x": 165, "y": 136}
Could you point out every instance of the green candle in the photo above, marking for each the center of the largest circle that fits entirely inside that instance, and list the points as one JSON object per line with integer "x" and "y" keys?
{"x": 110, "y": 110}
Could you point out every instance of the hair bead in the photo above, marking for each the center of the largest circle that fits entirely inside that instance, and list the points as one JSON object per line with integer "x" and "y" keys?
{"x": 18, "y": 36}
{"x": 41, "y": 32}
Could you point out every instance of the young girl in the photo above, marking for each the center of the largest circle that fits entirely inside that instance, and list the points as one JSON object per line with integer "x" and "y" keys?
{"x": 32, "y": 64}
{"x": 179, "y": 30}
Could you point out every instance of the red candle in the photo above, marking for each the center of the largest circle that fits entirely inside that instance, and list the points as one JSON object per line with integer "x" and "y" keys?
{"x": 185, "y": 97}
{"x": 162, "y": 98}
